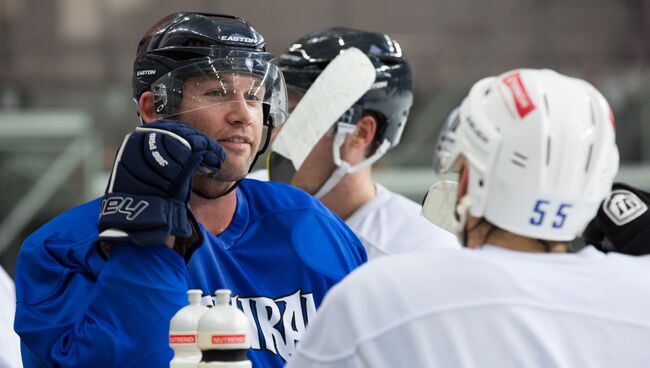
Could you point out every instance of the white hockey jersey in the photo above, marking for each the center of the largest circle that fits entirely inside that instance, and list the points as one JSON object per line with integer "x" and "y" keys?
{"x": 391, "y": 224}
{"x": 489, "y": 307}
{"x": 9, "y": 341}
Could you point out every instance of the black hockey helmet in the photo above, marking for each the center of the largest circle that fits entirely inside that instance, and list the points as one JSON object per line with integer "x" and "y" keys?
{"x": 391, "y": 96}
{"x": 188, "y": 43}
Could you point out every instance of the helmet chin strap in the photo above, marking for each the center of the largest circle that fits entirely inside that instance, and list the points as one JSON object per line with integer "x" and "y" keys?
{"x": 137, "y": 110}
{"x": 343, "y": 167}
{"x": 461, "y": 219}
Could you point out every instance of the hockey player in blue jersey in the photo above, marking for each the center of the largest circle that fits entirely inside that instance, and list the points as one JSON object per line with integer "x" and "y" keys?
{"x": 97, "y": 285}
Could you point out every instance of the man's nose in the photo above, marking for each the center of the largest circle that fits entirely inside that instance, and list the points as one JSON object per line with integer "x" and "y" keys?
{"x": 240, "y": 111}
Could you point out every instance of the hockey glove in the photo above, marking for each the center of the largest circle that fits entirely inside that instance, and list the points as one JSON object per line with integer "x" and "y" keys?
{"x": 623, "y": 222}
{"x": 148, "y": 191}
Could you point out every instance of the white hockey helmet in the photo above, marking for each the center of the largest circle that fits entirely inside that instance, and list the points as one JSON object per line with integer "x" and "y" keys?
{"x": 541, "y": 152}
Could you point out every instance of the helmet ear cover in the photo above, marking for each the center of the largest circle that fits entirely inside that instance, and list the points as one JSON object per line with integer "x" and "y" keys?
{"x": 166, "y": 100}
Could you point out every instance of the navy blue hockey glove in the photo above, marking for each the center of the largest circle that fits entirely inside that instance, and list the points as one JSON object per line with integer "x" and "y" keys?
{"x": 147, "y": 196}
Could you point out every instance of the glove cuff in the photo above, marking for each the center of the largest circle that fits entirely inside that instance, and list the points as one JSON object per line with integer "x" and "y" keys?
{"x": 144, "y": 220}
{"x": 185, "y": 246}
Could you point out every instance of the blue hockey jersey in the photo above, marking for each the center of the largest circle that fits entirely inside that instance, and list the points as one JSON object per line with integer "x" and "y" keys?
{"x": 282, "y": 251}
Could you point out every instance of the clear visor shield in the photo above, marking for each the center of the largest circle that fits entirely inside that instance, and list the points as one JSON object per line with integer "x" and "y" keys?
{"x": 242, "y": 82}
{"x": 445, "y": 146}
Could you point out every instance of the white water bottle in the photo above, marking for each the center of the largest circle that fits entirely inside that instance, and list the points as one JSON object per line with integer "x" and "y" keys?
{"x": 224, "y": 335}
{"x": 183, "y": 332}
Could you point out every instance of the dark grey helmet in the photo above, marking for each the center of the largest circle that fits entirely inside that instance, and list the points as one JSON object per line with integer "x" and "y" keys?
{"x": 391, "y": 96}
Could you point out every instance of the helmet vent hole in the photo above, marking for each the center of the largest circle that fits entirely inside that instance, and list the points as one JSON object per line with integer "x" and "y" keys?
{"x": 592, "y": 113}
{"x": 520, "y": 164}
{"x": 591, "y": 148}
{"x": 548, "y": 111}
{"x": 487, "y": 91}
{"x": 390, "y": 62}
{"x": 519, "y": 155}
{"x": 195, "y": 42}
{"x": 548, "y": 150}
{"x": 480, "y": 183}
{"x": 519, "y": 159}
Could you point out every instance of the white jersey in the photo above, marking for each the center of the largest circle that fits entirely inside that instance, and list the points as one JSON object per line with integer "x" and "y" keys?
{"x": 9, "y": 341}
{"x": 490, "y": 307}
{"x": 260, "y": 174}
{"x": 391, "y": 224}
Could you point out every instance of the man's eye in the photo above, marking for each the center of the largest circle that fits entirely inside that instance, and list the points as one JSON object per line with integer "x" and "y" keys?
{"x": 216, "y": 93}
{"x": 252, "y": 97}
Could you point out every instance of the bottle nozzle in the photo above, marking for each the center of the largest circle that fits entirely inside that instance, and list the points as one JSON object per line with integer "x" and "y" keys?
{"x": 194, "y": 296}
{"x": 223, "y": 296}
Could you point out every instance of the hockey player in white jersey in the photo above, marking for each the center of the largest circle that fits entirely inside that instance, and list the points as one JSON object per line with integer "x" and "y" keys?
{"x": 9, "y": 341}
{"x": 537, "y": 155}
{"x": 338, "y": 168}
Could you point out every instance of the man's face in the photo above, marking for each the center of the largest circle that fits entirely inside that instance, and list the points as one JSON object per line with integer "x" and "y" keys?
{"x": 229, "y": 110}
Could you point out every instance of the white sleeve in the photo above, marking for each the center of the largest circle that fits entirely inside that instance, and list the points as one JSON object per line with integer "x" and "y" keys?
{"x": 329, "y": 340}
{"x": 261, "y": 174}
{"x": 9, "y": 341}
{"x": 300, "y": 359}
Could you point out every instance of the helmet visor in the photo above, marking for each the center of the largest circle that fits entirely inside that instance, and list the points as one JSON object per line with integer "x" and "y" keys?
{"x": 254, "y": 83}
{"x": 439, "y": 205}
{"x": 446, "y": 151}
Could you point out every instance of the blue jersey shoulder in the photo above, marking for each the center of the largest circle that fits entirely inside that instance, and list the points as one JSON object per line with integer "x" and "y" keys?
{"x": 320, "y": 238}
{"x": 268, "y": 197}
{"x": 76, "y": 224}
{"x": 64, "y": 242}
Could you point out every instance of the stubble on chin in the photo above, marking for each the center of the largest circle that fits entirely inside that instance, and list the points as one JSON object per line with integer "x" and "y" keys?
{"x": 229, "y": 172}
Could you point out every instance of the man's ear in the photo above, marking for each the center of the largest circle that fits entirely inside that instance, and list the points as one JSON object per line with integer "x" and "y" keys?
{"x": 364, "y": 132}
{"x": 146, "y": 107}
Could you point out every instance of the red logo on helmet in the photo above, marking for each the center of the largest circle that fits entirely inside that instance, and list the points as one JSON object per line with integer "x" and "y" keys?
{"x": 522, "y": 100}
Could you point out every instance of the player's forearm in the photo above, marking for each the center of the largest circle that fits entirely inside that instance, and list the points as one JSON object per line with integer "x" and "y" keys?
{"x": 137, "y": 293}
{"x": 127, "y": 318}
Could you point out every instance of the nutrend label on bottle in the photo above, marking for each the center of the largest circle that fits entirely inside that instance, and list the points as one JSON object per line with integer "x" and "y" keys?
{"x": 182, "y": 339}
{"x": 228, "y": 339}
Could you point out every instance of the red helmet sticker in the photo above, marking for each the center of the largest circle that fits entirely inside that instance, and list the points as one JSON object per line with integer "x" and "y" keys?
{"x": 522, "y": 101}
